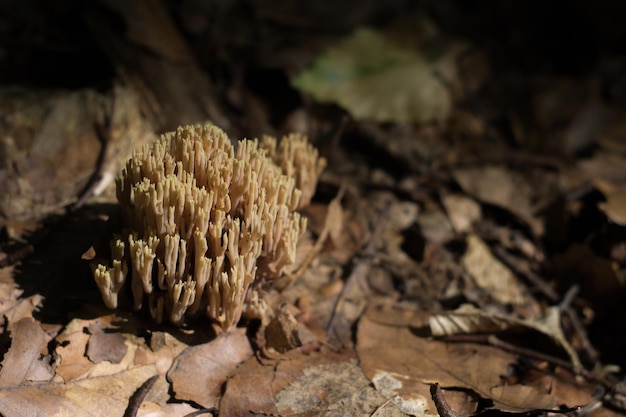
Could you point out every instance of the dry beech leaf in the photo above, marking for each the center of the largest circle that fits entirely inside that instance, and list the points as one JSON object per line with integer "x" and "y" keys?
{"x": 105, "y": 346}
{"x": 327, "y": 382}
{"x": 349, "y": 306}
{"x": 94, "y": 397}
{"x": 12, "y": 306}
{"x": 615, "y": 205}
{"x": 161, "y": 354}
{"x": 462, "y": 211}
{"x": 469, "y": 319}
{"x": 73, "y": 350}
{"x": 415, "y": 362}
{"x": 23, "y": 363}
{"x": 499, "y": 186}
{"x": 491, "y": 275}
{"x": 256, "y": 387}
{"x": 607, "y": 166}
{"x": 435, "y": 226}
{"x": 199, "y": 372}
{"x": 388, "y": 409}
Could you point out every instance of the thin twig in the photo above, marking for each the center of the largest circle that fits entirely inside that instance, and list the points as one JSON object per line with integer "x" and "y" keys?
{"x": 443, "y": 408}
{"x": 566, "y": 307}
{"x": 212, "y": 410}
{"x": 17, "y": 255}
{"x": 494, "y": 341}
{"x": 104, "y": 133}
{"x": 137, "y": 398}
{"x": 568, "y": 298}
{"x": 31, "y": 244}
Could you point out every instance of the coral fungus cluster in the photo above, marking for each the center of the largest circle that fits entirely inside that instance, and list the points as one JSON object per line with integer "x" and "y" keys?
{"x": 202, "y": 222}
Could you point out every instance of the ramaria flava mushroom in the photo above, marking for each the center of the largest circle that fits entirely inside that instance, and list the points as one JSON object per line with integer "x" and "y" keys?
{"x": 201, "y": 222}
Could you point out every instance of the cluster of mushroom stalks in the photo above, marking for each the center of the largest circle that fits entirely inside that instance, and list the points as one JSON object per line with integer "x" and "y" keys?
{"x": 201, "y": 222}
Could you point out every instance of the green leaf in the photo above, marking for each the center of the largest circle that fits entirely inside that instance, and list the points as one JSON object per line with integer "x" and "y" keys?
{"x": 374, "y": 78}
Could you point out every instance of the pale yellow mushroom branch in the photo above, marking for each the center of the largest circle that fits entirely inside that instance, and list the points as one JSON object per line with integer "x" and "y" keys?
{"x": 202, "y": 222}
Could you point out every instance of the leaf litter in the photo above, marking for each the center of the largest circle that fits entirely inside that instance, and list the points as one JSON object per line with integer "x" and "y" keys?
{"x": 444, "y": 254}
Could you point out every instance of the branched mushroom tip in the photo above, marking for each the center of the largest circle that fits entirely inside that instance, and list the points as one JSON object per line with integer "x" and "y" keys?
{"x": 202, "y": 222}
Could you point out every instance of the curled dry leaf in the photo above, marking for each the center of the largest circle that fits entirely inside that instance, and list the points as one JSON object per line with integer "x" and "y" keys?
{"x": 23, "y": 363}
{"x": 469, "y": 319}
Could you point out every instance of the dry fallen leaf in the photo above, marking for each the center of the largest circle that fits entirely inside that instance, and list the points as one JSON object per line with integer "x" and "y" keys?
{"x": 415, "y": 362}
{"x": 94, "y": 397}
{"x": 199, "y": 372}
{"x": 491, "y": 275}
{"x": 615, "y": 205}
{"x": 13, "y": 307}
{"x": 71, "y": 348}
{"x": 511, "y": 190}
{"x": 323, "y": 387}
{"x": 469, "y": 319}
{"x": 105, "y": 346}
{"x": 51, "y": 147}
{"x": 257, "y": 387}
{"x": 462, "y": 211}
{"x": 23, "y": 363}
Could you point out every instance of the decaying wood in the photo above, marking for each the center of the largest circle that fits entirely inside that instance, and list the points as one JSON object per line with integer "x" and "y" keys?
{"x": 52, "y": 149}
{"x": 151, "y": 55}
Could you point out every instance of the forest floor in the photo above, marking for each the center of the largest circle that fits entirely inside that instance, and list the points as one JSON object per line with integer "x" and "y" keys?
{"x": 466, "y": 248}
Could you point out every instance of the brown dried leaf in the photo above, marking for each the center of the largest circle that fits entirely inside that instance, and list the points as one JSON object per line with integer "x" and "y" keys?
{"x": 162, "y": 353}
{"x": 105, "y": 346}
{"x": 615, "y": 205}
{"x": 607, "y": 166}
{"x": 327, "y": 382}
{"x": 435, "y": 226}
{"x": 95, "y": 397}
{"x": 349, "y": 306}
{"x": 71, "y": 348}
{"x": 414, "y": 362}
{"x": 199, "y": 372}
{"x": 301, "y": 383}
{"x": 491, "y": 275}
{"x": 462, "y": 211}
{"x": 13, "y": 307}
{"x": 502, "y": 187}
{"x": 469, "y": 319}
{"x": 23, "y": 363}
